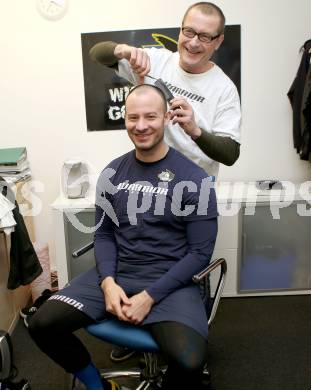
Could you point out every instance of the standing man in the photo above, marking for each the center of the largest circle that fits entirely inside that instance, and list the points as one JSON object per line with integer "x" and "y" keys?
{"x": 206, "y": 114}
{"x": 206, "y": 108}
{"x": 160, "y": 235}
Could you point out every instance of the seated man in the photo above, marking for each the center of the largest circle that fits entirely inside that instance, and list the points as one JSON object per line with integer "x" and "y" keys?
{"x": 156, "y": 219}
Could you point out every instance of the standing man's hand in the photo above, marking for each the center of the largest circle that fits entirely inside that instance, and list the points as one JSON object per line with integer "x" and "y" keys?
{"x": 139, "y": 308}
{"x": 138, "y": 59}
{"x": 115, "y": 298}
{"x": 182, "y": 113}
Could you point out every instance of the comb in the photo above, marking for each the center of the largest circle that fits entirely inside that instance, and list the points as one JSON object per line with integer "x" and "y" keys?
{"x": 159, "y": 83}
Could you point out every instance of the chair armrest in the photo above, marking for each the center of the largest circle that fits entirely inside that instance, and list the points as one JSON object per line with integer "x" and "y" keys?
{"x": 203, "y": 276}
{"x": 83, "y": 250}
{"x": 210, "y": 268}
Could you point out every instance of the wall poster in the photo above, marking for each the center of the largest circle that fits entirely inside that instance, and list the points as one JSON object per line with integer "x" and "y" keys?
{"x": 105, "y": 92}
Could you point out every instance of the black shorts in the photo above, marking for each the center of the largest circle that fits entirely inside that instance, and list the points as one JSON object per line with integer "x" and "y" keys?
{"x": 183, "y": 305}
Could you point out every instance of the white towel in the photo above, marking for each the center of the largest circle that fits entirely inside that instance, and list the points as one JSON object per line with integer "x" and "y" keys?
{"x": 7, "y": 221}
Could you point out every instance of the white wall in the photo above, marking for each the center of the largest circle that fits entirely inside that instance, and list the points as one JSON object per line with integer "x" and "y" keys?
{"x": 42, "y": 93}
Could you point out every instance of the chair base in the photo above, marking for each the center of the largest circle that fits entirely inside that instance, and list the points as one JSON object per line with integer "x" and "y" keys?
{"x": 145, "y": 382}
{"x": 146, "y": 378}
{"x": 149, "y": 376}
{"x": 140, "y": 384}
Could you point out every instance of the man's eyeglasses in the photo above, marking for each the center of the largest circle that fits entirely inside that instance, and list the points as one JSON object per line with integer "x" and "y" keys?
{"x": 203, "y": 37}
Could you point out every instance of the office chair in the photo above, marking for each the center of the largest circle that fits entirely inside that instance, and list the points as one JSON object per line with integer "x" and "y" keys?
{"x": 140, "y": 339}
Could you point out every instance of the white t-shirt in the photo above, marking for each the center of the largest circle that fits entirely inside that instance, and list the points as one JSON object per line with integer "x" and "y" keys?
{"x": 212, "y": 95}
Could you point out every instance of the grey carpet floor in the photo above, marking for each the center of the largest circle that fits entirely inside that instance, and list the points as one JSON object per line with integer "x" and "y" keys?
{"x": 255, "y": 344}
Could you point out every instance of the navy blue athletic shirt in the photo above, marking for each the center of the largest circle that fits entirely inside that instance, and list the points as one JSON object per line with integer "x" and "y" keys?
{"x": 157, "y": 222}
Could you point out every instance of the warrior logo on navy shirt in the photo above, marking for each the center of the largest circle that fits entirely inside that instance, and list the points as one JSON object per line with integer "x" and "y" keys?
{"x": 137, "y": 187}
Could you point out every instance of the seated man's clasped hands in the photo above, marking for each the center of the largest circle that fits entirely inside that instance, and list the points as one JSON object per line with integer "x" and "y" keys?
{"x": 132, "y": 309}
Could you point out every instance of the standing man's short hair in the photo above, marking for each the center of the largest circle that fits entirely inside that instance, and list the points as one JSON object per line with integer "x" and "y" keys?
{"x": 208, "y": 8}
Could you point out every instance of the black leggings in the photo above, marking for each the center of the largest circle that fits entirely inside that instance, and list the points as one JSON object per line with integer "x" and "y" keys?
{"x": 52, "y": 329}
{"x": 185, "y": 351}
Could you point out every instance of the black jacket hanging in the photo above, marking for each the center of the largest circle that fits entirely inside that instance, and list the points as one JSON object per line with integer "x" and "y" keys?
{"x": 299, "y": 96}
{"x": 306, "y": 119}
{"x": 24, "y": 263}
